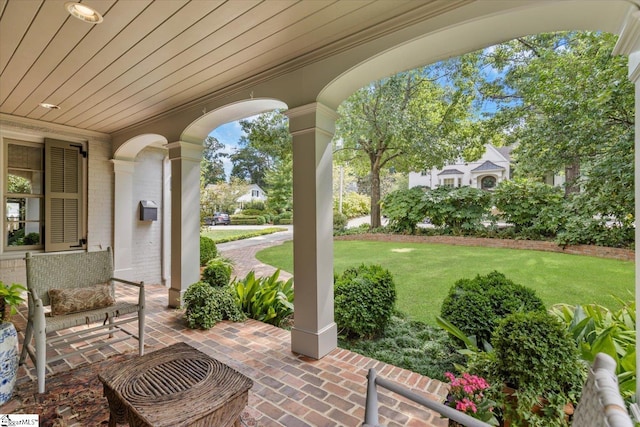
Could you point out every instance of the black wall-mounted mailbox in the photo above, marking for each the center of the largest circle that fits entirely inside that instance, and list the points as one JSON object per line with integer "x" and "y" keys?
{"x": 148, "y": 210}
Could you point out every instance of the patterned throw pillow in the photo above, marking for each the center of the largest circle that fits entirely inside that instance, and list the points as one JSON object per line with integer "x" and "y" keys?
{"x": 65, "y": 301}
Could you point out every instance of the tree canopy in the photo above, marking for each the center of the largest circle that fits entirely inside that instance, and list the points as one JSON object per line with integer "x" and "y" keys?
{"x": 566, "y": 102}
{"x": 211, "y": 166}
{"x": 410, "y": 121}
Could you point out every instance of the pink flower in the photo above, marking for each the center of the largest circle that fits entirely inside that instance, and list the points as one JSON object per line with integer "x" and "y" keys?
{"x": 466, "y": 394}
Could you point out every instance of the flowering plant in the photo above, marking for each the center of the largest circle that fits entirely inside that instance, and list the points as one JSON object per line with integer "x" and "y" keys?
{"x": 469, "y": 394}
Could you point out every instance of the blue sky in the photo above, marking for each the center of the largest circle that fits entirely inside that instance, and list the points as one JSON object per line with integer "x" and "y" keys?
{"x": 229, "y": 134}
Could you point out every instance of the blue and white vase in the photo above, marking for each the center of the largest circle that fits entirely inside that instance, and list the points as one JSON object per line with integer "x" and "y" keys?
{"x": 9, "y": 357}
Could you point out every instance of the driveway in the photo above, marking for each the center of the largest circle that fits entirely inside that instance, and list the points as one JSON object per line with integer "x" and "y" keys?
{"x": 243, "y": 252}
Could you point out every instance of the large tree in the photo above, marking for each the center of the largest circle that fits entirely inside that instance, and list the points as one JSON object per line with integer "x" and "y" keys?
{"x": 264, "y": 146}
{"x": 568, "y": 105}
{"x": 211, "y": 166}
{"x": 410, "y": 121}
{"x": 267, "y": 137}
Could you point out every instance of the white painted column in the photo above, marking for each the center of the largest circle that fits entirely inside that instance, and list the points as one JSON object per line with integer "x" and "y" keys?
{"x": 185, "y": 218}
{"x": 629, "y": 44}
{"x": 166, "y": 221}
{"x": 634, "y": 75}
{"x": 314, "y": 333}
{"x": 124, "y": 212}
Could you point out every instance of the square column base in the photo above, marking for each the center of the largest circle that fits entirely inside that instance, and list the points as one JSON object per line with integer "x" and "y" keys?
{"x": 315, "y": 344}
{"x": 175, "y": 298}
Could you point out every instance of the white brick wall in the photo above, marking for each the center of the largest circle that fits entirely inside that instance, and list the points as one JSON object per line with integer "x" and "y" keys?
{"x": 100, "y": 196}
{"x": 147, "y": 235}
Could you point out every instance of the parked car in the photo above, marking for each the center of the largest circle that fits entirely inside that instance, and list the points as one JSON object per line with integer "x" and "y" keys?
{"x": 219, "y": 218}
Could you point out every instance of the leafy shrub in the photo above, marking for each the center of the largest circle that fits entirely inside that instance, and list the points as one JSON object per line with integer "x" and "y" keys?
{"x": 597, "y": 329}
{"x": 339, "y": 221}
{"x": 364, "y": 300}
{"x": 404, "y": 209}
{"x": 253, "y": 212}
{"x": 255, "y": 205}
{"x": 266, "y": 299}
{"x": 535, "y": 355}
{"x": 283, "y": 218}
{"x": 207, "y": 305}
{"x": 208, "y": 250}
{"x": 476, "y": 305}
{"x": 532, "y": 207}
{"x": 353, "y": 204}
{"x": 581, "y": 229}
{"x": 460, "y": 209}
{"x": 217, "y": 272}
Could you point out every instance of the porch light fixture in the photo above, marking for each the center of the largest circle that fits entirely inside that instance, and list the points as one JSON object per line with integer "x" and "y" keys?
{"x": 83, "y": 12}
{"x": 49, "y": 106}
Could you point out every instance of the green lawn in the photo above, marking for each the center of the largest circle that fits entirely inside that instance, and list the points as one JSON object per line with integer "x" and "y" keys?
{"x": 424, "y": 272}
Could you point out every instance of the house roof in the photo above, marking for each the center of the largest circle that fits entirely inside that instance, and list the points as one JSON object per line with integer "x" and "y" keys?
{"x": 451, "y": 172}
{"x": 487, "y": 166}
{"x": 505, "y": 151}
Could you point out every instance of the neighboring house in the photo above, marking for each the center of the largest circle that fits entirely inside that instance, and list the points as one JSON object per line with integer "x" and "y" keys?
{"x": 253, "y": 194}
{"x": 492, "y": 168}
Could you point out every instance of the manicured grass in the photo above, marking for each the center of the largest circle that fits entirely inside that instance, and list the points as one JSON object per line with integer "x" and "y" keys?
{"x": 220, "y": 235}
{"x": 423, "y": 272}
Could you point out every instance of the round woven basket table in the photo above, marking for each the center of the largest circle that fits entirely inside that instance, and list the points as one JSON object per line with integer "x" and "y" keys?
{"x": 175, "y": 386}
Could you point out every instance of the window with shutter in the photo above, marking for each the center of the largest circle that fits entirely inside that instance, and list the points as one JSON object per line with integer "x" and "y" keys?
{"x": 63, "y": 195}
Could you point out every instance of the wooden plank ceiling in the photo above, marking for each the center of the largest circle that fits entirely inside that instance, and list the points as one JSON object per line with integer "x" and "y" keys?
{"x": 149, "y": 57}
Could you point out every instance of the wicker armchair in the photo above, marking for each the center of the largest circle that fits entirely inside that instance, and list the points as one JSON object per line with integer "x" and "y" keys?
{"x": 601, "y": 404}
{"x": 60, "y": 273}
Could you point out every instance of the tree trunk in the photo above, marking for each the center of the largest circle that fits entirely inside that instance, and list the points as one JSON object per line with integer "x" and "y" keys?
{"x": 572, "y": 172}
{"x": 375, "y": 198}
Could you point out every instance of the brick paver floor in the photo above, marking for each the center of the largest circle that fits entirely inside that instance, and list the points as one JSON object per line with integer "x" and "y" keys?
{"x": 289, "y": 390}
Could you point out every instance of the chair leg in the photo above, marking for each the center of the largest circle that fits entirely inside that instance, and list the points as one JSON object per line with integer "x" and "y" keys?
{"x": 111, "y": 328}
{"x": 41, "y": 358}
{"x": 28, "y": 334}
{"x": 141, "y": 332}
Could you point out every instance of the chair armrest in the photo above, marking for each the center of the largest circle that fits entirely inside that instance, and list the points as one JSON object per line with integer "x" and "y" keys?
{"x": 128, "y": 282}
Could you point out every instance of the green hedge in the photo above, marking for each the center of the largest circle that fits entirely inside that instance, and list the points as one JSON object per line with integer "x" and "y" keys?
{"x": 247, "y": 220}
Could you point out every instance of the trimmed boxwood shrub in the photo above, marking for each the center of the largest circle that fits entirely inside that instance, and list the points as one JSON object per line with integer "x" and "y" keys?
{"x": 535, "y": 355}
{"x": 206, "y": 305}
{"x": 217, "y": 272}
{"x": 364, "y": 301}
{"x": 476, "y": 305}
{"x": 247, "y": 220}
{"x": 208, "y": 250}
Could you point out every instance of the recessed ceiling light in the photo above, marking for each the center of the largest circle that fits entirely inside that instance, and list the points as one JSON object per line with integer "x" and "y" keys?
{"x": 83, "y": 12}
{"x": 49, "y": 106}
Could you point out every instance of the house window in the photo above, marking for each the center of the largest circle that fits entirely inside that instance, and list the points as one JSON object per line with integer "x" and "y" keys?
{"x": 423, "y": 173}
{"x": 43, "y": 195}
{"x": 255, "y": 193}
{"x": 449, "y": 182}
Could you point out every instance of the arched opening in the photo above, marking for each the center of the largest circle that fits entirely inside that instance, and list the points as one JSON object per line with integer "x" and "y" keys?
{"x": 185, "y": 157}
